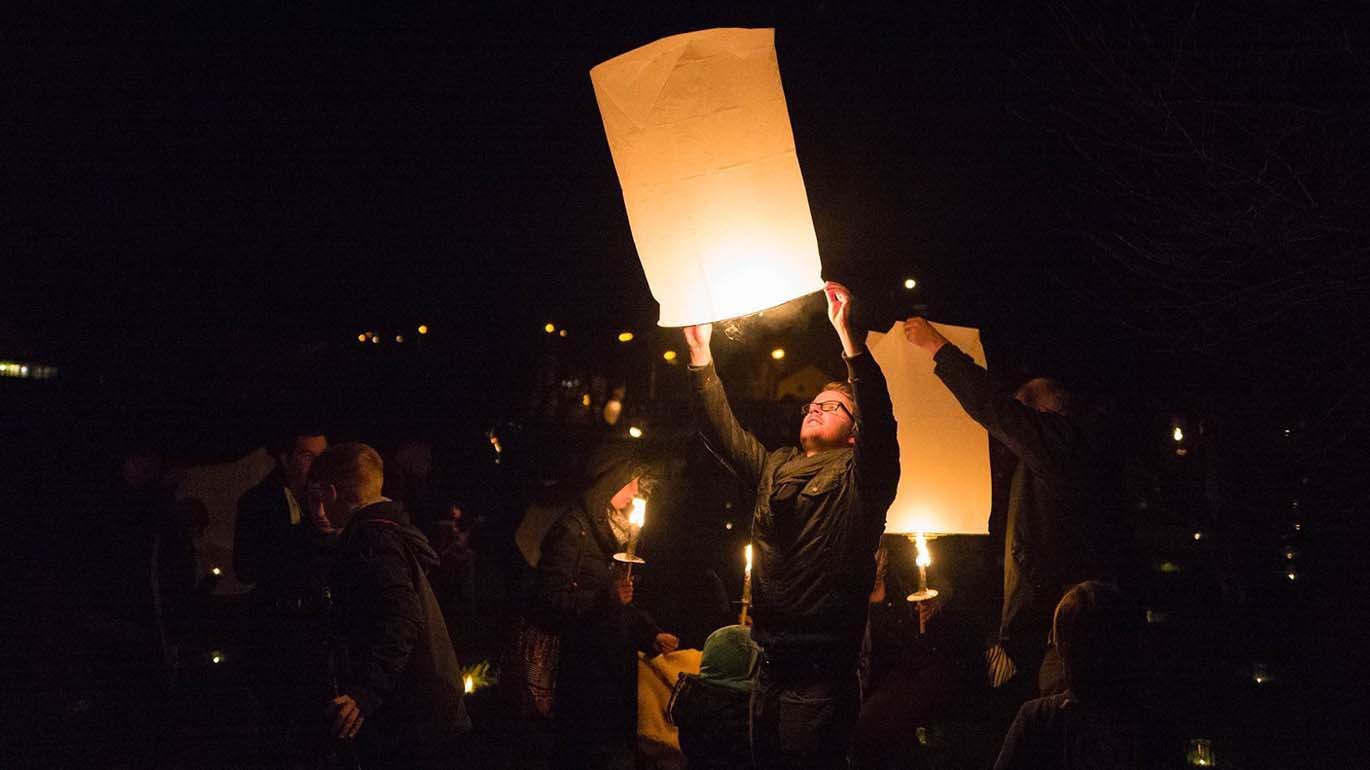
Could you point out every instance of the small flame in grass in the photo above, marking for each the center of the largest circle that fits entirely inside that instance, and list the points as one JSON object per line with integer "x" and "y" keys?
{"x": 478, "y": 677}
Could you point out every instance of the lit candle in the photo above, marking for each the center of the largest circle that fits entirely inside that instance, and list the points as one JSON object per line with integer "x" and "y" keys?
{"x": 636, "y": 518}
{"x": 923, "y": 560}
{"x": 746, "y": 585}
{"x": 469, "y": 684}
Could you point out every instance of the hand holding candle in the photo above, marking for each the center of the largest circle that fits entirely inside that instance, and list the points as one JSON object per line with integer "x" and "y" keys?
{"x": 923, "y": 560}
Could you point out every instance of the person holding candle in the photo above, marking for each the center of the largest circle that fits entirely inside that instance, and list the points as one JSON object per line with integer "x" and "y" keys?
{"x": 819, "y": 513}
{"x": 584, "y": 595}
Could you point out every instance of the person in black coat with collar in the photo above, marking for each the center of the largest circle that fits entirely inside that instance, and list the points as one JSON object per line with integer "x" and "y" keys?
{"x": 587, "y": 598}
{"x": 400, "y": 686}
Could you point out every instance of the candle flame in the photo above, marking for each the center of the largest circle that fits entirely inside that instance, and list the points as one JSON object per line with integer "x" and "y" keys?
{"x": 924, "y": 558}
{"x": 638, "y": 516}
{"x": 1177, "y": 434}
{"x": 747, "y": 552}
{"x": 469, "y": 684}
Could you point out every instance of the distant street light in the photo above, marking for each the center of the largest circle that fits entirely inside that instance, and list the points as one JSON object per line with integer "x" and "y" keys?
{"x": 625, "y": 336}
{"x": 549, "y": 328}
{"x": 399, "y": 338}
{"x": 423, "y": 328}
{"x": 375, "y": 340}
{"x": 635, "y": 432}
{"x": 361, "y": 337}
{"x": 909, "y": 284}
{"x": 669, "y": 355}
{"x": 561, "y": 333}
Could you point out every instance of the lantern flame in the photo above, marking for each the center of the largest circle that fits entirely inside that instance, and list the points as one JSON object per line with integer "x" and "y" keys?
{"x": 924, "y": 558}
{"x": 638, "y": 516}
{"x": 747, "y": 553}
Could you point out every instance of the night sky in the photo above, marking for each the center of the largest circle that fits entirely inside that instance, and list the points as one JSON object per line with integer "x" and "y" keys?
{"x": 1146, "y": 199}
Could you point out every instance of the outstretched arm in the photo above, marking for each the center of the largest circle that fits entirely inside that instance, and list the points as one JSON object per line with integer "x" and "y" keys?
{"x": 1036, "y": 437}
{"x": 720, "y": 429}
{"x": 877, "y": 440}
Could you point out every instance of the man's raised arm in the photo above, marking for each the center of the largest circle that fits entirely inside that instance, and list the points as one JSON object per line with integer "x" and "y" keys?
{"x": 722, "y": 433}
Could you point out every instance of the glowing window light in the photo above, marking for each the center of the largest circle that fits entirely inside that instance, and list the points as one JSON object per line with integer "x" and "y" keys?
{"x": 778, "y": 353}
{"x": 625, "y": 337}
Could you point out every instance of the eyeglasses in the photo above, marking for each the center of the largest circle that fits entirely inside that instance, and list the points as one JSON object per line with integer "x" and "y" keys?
{"x": 823, "y": 406}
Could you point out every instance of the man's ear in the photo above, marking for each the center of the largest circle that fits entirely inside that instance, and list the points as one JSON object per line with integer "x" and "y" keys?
{"x": 328, "y": 494}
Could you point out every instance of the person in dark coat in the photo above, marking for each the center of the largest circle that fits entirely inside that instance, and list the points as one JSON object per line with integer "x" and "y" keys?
{"x": 586, "y": 597}
{"x": 1100, "y": 720}
{"x": 820, "y": 511}
{"x": 1064, "y": 522}
{"x": 400, "y": 686}
{"x": 277, "y": 548}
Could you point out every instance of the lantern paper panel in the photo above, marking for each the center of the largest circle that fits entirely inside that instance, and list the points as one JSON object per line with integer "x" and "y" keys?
{"x": 944, "y": 476}
{"x": 700, "y": 136}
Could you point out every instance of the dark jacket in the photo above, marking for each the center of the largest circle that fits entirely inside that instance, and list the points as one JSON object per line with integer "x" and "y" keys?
{"x": 596, "y": 688}
{"x": 1061, "y": 732}
{"x": 286, "y": 559}
{"x": 400, "y": 665}
{"x": 1063, "y": 513}
{"x": 814, "y": 551}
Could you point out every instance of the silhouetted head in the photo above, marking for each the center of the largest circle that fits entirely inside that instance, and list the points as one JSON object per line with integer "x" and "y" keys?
{"x": 1098, "y": 632}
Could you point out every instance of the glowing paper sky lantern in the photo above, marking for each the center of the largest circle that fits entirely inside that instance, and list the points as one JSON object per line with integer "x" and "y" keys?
{"x": 701, "y": 140}
{"x": 944, "y": 479}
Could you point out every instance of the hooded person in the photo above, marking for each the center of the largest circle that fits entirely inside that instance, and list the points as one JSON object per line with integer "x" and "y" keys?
{"x": 587, "y": 598}
{"x": 400, "y": 686}
{"x": 711, "y": 709}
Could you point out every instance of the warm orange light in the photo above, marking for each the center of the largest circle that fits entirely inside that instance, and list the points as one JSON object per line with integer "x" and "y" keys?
{"x": 361, "y": 337}
{"x": 909, "y": 283}
{"x": 469, "y": 684}
{"x": 747, "y": 554}
{"x": 1177, "y": 434}
{"x": 549, "y": 328}
{"x": 669, "y": 355}
{"x": 216, "y": 571}
{"x": 625, "y": 337}
{"x": 374, "y": 339}
{"x": 585, "y": 399}
{"x": 561, "y": 333}
{"x": 635, "y": 432}
{"x": 778, "y": 353}
{"x": 423, "y": 328}
{"x": 399, "y": 338}
{"x": 638, "y": 516}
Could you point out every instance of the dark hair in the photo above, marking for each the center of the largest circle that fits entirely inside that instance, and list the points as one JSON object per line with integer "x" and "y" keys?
{"x": 283, "y": 443}
{"x": 1098, "y": 632}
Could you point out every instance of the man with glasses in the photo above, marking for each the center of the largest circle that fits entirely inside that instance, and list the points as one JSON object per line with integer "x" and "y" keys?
{"x": 819, "y": 513}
